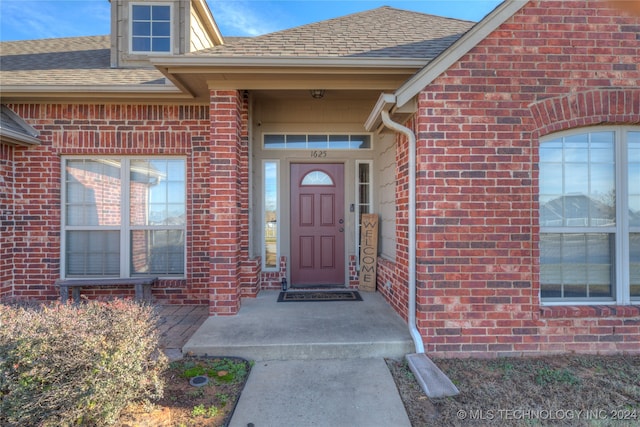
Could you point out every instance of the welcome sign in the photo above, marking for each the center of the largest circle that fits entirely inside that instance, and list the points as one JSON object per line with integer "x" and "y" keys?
{"x": 368, "y": 252}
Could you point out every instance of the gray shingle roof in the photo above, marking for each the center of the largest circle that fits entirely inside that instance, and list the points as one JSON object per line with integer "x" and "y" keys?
{"x": 384, "y": 32}
{"x": 67, "y": 61}
{"x": 379, "y": 33}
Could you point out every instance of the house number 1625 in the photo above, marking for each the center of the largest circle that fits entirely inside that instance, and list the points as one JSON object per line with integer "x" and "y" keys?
{"x": 318, "y": 154}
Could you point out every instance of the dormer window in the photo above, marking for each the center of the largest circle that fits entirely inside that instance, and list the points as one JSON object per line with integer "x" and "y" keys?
{"x": 150, "y": 28}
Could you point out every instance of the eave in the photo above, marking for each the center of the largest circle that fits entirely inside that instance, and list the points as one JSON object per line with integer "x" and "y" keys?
{"x": 26, "y": 137}
{"x": 92, "y": 94}
{"x": 198, "y": 75}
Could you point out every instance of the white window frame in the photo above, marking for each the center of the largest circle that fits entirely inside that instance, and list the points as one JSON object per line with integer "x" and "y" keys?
{"x": 359, "y": 203}
{"x": 621, "y": 293}
{"x": 171, "y": 30}
{"x": 317, "y": 152}
{"x": 263, "y": 233}
{"x": 125, "y": 227}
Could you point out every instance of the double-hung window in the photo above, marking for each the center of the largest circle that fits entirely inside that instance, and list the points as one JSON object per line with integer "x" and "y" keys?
{"x": 590, "y": 216}
{"x": 150, "y": 28}
{"x": 123, "y": 217}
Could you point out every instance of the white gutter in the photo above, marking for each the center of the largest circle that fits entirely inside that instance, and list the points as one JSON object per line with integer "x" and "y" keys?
{"x": 411, "y": 137}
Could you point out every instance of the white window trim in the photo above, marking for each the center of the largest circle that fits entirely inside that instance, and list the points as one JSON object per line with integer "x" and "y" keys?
{"x": 171, "y": 30}
{"x": 307, "y": 134}
{"x": 263, "y": 232}
{"x": 357, "y": 206}
{"x": 125, "y": 228}
{"x": 622, "y": 291}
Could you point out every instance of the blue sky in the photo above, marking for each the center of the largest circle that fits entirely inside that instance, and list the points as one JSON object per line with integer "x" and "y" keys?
{"x": 37, "y": 19}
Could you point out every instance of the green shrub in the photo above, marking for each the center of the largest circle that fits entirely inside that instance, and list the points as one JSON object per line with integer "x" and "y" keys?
{"x": 77, "y": 365}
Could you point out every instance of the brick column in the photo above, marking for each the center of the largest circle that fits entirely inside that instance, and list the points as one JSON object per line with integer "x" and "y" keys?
{"x": 225, "y": 233}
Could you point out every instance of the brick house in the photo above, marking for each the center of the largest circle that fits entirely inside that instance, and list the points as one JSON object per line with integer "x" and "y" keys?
{"x": 503, "y": 160}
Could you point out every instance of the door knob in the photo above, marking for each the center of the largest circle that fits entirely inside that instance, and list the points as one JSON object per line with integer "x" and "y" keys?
{"x": 341, "y": 229}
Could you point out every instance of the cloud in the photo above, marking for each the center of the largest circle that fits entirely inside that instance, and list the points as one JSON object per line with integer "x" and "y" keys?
{"x": 246, "y": 18}
{"x": 31, "y": 19}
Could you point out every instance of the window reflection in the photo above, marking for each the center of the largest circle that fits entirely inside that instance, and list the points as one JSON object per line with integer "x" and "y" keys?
{"x": 270, "y": 253}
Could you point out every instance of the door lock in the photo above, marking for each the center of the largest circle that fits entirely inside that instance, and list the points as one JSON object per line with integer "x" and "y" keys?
{"x": 341, "y": 221}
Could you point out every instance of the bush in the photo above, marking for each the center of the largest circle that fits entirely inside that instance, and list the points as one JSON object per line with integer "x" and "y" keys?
{"x": 77, "y": 365}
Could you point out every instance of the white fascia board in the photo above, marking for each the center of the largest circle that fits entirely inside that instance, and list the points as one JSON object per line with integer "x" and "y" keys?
{"x": 146, "y": 89}
{"x": 15, "y": 138}
{"x": 457, "y": 50}
{"x": 199, "y": 61}
{"x": 385, "y": 102}
{"x": 202, "y": 8}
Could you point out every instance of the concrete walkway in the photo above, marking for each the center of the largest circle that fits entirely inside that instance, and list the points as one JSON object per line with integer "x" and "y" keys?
{"x": 331, "y": 393}
{"x": 317, "y": 363}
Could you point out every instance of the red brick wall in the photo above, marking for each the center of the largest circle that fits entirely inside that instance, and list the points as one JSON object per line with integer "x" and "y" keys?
{"x": 229, "y": 232}
{"x": 106, "y": 130}
{"x": 555, "y": 65}
{"x": 6, "y": 220}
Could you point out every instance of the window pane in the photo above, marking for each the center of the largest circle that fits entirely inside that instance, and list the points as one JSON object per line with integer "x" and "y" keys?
{"x": 576, "y": 265}
{"x": 360, "y": 142}
{"x": 141, "y": 29}
{"x": 296, "y": 142}
{"x": 317, "y": 178}
{"x": 92, "y": 253}
{"x": 274, "y": 141}
{"x": 318, "y": 141}
{"x": 161, "y": 29}
{"x": 270, "y": 254}
{"x": 161, "y": 13}
{"x": 633, "y": 145}
{"x": 634, "y": 264}
{"x": 141, "y": 44}
{"x": 93, "y": 192}
{"x": 161, "y": 45}
{"x": 141, "y": 12}
{"x": 157, "y": 252}
{"x": 157, "y": 192}
{"x": 339, "y": 142}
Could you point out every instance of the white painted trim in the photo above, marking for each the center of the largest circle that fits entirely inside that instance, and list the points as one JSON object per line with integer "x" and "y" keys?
{"x": 263, "y": 228}
{"x": 184, "y": 64}
{"x": 621, "y": 230}
{"x": 173, "y": 21}
{"x": 125, "y": 227}
{"x": 358, "y": 203}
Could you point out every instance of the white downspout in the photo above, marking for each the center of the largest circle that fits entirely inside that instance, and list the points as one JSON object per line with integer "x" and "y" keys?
{"x": 411, "y": 137}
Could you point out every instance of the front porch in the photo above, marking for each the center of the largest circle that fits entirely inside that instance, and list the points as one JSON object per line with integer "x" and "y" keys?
{"x": 264, "y": 329}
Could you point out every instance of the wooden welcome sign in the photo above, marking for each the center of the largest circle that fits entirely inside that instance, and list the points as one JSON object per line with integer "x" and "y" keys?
{"x": 368, "y": 252}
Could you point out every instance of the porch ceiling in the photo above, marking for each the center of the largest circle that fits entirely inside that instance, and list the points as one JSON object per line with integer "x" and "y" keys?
{"x": 197, "y": 79}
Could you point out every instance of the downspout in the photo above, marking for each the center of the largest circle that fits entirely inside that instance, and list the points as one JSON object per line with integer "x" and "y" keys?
{"x": 411, "y": 137}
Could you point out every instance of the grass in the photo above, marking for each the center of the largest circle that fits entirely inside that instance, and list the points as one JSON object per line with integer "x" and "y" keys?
{"x": 184, "y": 405}
{"x": 552, "y": 390}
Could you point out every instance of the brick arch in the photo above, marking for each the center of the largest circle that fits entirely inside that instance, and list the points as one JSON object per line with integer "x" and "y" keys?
{"x": 592, "y": 107}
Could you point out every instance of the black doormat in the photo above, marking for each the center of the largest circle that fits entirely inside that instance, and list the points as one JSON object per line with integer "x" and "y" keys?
{"x": 319, "y": 296}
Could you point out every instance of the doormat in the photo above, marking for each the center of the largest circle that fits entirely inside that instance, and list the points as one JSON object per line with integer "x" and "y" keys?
{"x": 319, "y": 296}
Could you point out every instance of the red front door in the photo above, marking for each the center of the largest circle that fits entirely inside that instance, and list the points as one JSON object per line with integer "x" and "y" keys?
{"x": 317, "y": 224}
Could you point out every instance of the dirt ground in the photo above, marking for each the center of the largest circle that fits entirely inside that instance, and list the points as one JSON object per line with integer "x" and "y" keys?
{"x": 552, "y": 390}
{"x": 185, "y": 405}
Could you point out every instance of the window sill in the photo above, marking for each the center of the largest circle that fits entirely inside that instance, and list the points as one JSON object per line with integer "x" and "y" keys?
{"x": 589, "y": 311}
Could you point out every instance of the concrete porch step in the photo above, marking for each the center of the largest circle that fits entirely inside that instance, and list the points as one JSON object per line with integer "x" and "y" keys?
{"x": 267, "y": 330}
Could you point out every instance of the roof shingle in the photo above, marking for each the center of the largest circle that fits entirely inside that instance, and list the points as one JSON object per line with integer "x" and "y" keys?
{"x": 383, "y": 32}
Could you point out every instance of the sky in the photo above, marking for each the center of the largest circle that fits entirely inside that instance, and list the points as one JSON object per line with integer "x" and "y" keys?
{"x": 39, "y": 19}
